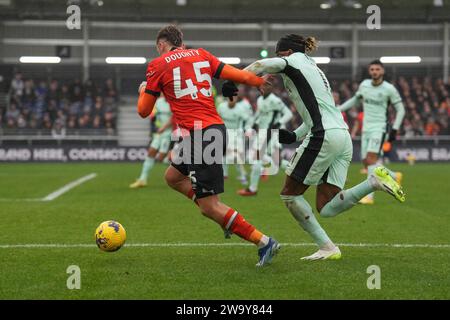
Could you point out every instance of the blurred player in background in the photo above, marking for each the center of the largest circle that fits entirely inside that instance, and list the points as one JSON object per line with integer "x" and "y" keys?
{"x": 235, "y": 117}
{"x": 271, "y": 113}
{"x": 244, "y": 104}
{"x": 160, "y": 143}
{"x": 325, "y": 154}
{"x": 376, "y": 95}
{"x": 185, "y": 78}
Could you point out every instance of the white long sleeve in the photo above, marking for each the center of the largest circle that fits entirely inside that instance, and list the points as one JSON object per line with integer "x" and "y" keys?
{"x": 269, "y": 65}
{"x": 302, "y": 131}
{"x": 399, "y": 115}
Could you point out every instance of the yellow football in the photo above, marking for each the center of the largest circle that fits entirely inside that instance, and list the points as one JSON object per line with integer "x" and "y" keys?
{"x": 110, "y": 236}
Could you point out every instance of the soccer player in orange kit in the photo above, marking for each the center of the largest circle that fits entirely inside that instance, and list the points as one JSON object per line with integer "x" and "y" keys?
{"x": 185, "y": 78}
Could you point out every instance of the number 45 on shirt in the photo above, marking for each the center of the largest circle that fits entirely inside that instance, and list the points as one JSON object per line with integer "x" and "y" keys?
{"x": 192, "y": 89}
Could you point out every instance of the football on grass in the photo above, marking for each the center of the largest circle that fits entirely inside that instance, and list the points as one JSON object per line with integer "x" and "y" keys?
{"x": 110, "y": 236}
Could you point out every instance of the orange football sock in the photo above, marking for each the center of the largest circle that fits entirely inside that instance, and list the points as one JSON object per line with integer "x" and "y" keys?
{"x": 256, "y": 236}
{"x": 236, "y": 223}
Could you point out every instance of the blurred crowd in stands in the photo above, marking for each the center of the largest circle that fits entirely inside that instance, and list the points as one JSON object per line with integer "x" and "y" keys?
{"x": 56, "y": 107}
{"x": 426, "y": 101}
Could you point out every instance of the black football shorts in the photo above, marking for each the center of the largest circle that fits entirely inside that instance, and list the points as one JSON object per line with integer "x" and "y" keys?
{"x": 204, "y": 164}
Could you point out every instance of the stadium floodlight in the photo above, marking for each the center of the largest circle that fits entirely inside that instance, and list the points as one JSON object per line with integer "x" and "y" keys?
{"x": 328, "y": 4}
{"x": 401, "y": 59}
{"x": 230, "y": 60}
{"x": 352, "y": 4}
{"x": 322, "y": 60}
{"x": 39, "y": 59}
{"x": 125, "y": 60}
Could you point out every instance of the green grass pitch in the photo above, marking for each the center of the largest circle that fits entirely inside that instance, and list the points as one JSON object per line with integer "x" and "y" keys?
{"x": 157, "y": 215}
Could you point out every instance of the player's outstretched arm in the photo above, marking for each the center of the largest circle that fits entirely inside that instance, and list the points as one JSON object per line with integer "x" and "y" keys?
{"x": 350, "y": 103}
{"x": 396, "y": 101}
{"x": 248, "y": 75}
{"x": 270, "y": 65}
{"x": 399, "y": 115}
{"x": 241, "y": 76}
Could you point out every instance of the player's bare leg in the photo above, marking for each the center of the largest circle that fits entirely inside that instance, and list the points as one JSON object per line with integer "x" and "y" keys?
{"x": 179, "y": 182}
{"x": 364, "y": 168}
{"x": 292, "y": 196}
{"x": 229, "y": 219}
{"x": 146, "y": 167}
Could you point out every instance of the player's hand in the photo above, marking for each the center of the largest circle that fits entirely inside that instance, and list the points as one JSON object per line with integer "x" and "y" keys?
{"x": 142, "y": 86}
{"x": 267, "y": 83}
{"x": 160, "y": 130}
{"x": 286, "y": 136}
{"x": 392, "y": 135}
{"x": 229, "y": 90}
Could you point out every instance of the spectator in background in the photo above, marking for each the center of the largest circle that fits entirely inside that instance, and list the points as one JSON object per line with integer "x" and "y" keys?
{"x": 46, "y": 122}
{"x": 58, "y": 130}
{"x": 12, "y": 115}
{"x": 98, "y": 107}
{"x": 53, "y": 90}
{"x": 21, "y": 122}
{"x": 83, "y": 121}
{"x": 408, "y": 129}
{"x": 17, "y": 85}
{"x": 431, "y": 128}
{"x": 96, "y": 123}
{"x": 110, "y": 92}
{"x": 72, "y": 122}
{"x": 38, "y": 104}
{"x": 73, "y": 105}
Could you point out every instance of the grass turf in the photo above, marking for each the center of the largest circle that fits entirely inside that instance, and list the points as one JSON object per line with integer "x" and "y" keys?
{"x": 159, "y": 215}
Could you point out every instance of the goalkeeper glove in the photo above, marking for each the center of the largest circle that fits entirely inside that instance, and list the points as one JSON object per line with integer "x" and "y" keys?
{"x": 392, "y": 135}
{"x": 229, "y": 90}
{"x": 286, "y": 136}
{"x": 276, "y": 125}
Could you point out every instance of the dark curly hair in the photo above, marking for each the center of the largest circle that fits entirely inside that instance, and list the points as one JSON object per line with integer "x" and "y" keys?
{"x": 309, "y": 43}
{"x": 172, "y": 34}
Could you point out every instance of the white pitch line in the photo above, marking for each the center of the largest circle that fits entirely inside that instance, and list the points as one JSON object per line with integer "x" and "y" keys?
{"x": 234, "y": 244}
{"x": 52, "y": 196}
{"x": 67, "y": 187}
{"x": 20, "y": 200}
